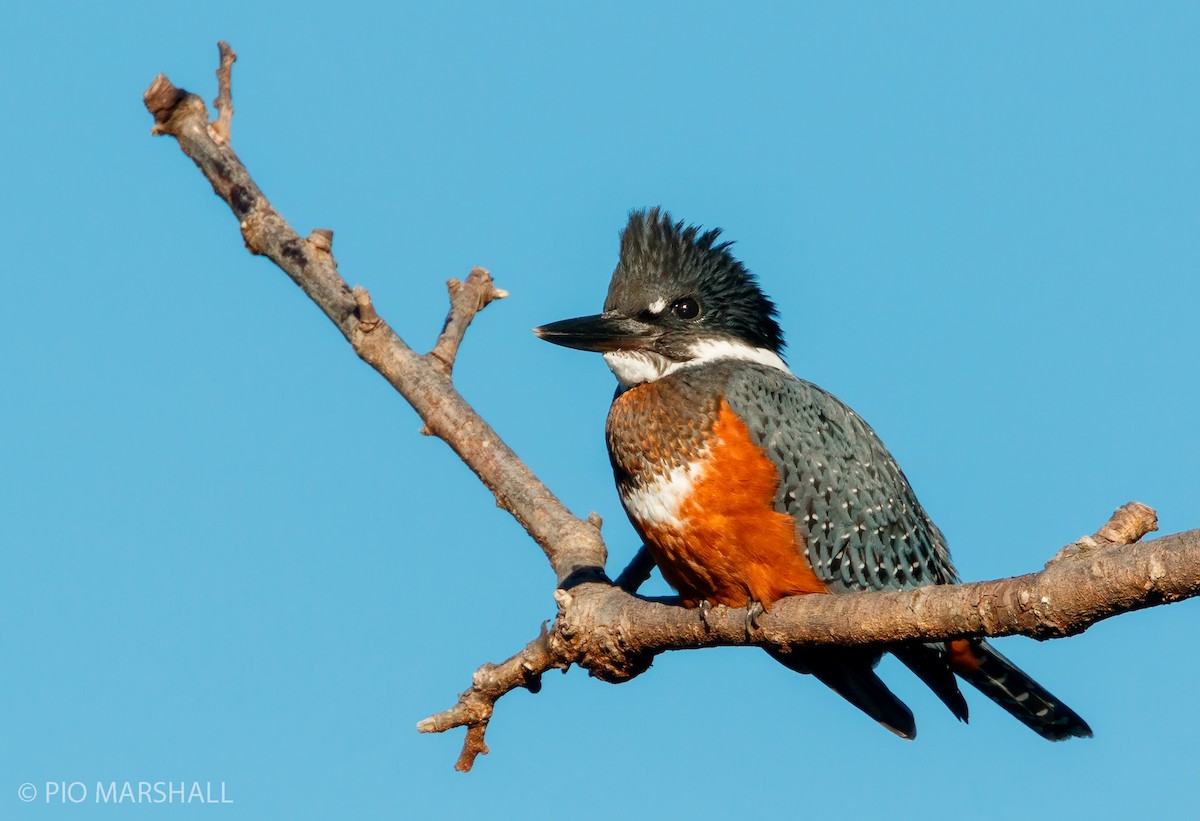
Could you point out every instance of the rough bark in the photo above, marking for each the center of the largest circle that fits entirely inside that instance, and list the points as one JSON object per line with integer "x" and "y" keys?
{"x": 603, "y": 626}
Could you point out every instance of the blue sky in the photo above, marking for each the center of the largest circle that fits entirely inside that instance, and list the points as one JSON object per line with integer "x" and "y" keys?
{"x": 228, "y": 556}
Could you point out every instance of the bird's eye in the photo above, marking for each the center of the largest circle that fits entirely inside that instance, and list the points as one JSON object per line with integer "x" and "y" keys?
{"x": 686, "y": 308}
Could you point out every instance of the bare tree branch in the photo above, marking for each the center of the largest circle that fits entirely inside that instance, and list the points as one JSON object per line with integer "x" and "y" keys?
{"x": 1130, "y": 523}
{"x": 220, "y": 127}
{"x": 615, "y": 635}
{"x": 602, "y": 626}
{"x": 573, "y": 546}
{"x": 466, "y": 299}
{"x": 490, "y": 682}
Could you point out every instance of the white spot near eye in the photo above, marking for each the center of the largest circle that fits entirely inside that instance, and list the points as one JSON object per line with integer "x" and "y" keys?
{"x": 658, "y": 306}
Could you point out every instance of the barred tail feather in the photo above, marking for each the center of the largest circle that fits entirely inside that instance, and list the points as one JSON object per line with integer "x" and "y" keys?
{"x": 1022, "y": 697}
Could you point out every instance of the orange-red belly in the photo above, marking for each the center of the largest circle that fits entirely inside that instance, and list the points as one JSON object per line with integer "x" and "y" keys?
{"x": 725, "y": 542}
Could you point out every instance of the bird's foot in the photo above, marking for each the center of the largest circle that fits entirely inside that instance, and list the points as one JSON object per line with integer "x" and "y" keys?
{"x": 705, "y": 607}
{"x": 754, "y": 610}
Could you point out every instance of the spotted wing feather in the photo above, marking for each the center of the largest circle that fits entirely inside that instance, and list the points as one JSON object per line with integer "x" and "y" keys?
{"x": 865, "y": 528}
{"x": 867, "y": 531}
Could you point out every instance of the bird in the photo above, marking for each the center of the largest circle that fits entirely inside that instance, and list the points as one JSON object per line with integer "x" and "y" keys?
{"x": 748, "y": 484}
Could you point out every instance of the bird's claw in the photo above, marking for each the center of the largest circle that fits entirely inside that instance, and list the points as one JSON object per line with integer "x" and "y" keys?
{"x": 753, "y": 611}
{"x": 705, "y": 607}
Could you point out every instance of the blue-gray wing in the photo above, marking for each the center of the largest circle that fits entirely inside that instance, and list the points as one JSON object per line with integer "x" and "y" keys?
{"x": 863, "y": 524}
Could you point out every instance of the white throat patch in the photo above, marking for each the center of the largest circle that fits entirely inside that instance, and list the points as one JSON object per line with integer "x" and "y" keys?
{"x": 637, "y": 367}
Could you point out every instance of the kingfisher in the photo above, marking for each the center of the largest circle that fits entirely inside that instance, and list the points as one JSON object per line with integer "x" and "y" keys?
{"x": 748, "y": 484}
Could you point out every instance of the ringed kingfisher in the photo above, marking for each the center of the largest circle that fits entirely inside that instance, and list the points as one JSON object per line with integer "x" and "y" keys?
{"x": 748, "y": 484}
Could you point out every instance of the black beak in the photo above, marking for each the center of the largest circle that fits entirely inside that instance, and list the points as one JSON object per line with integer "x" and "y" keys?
{"x": 603, "y": 332}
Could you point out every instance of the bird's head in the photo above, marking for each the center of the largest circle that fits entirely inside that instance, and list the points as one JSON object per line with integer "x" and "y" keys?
{"x": 677, "y": 298}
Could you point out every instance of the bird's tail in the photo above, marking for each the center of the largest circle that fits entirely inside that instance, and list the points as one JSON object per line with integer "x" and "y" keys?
{"x": 1022, "y": 697}
{"x": 850, "y": 673}
{"x": 930, "y": 662}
